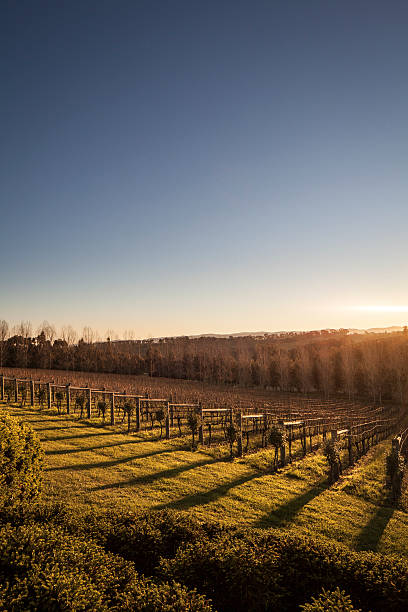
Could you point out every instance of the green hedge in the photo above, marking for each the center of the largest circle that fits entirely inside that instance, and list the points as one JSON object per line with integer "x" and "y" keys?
{"x": 21, "y": 460}
{"x": 252, "y": 571}
{"x": 240, "y": 570}
{"x": 143, "y": 538}
{"x": 44, "y": 568}
{"x": 329, "y": 601}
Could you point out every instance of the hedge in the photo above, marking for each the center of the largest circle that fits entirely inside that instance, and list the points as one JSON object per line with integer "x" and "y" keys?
{"x": 44, "y": 568}
{"x": 252, "y": 571}
{"x": 328, "y": 601}
{"x": 237, "y": 569}
{"x": 21, "y": 460}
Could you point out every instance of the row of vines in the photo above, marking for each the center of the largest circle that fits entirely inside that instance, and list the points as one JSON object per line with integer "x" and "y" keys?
{"x": 289, "y": 425}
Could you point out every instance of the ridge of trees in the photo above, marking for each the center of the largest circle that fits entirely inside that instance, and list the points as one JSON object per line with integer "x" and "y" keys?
{"x": 373, "y": 366}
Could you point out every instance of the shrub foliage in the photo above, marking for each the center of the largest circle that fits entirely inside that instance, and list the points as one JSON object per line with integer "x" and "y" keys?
{"x": 21, "y": 460}
{"x": 329, "y": 601}
{"x": 44, "y": 568}
{"x": 52, "y": 558}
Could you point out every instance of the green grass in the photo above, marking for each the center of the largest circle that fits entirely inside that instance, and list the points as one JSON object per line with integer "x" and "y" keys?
{"x": 89, "y": 466}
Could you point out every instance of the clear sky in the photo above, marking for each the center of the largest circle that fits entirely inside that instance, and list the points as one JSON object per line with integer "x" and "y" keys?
{"x": 203, "y": 166}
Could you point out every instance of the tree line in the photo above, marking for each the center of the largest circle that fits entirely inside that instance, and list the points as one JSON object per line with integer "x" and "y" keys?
{"x": 373, "y": 366}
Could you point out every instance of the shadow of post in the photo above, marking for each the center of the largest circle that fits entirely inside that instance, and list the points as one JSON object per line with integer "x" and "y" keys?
{"x": 151, "y": 478}
{"x": 205, "y": 497}
{"x": 285, "y": 513}
{"x": 108, "y": 464}
{"x": 370, "y": 536}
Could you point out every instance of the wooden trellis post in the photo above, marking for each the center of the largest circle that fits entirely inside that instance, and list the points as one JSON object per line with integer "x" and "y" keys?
{"x": 138, "y": 414}
{"x": 265, "y": 428}
{"x": 282, "y": 455}
{"x": 32, "y": 392}
{"x": 396, "y": 444}
{"x": 200, "y": 427}
{"x": 89, "y": 404}
{"x": 112, "y": 409}
{"x": 290, "y": 443}
{"x": 2, "y": 387}
{"x": 304, "y": 439}
{"x": 68, "y": 394}
{"x": 147, "y": 412}
{"x": 209, "y": 434}
{"x": 129, "y": 411}
{"x": 167, "y": 421}
{"x": 16, "y": 390}
{"x": 49, "y": 395}
{"x": 239, "y": 441}
{"x": 350, "y": 448}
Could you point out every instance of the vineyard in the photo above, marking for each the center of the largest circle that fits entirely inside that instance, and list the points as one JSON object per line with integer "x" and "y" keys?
{"x": 292, "y": 424}
{"x": 176, "y": 507}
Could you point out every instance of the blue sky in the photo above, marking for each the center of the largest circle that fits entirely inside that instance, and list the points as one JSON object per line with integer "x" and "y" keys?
{"x": 189, "y": 167}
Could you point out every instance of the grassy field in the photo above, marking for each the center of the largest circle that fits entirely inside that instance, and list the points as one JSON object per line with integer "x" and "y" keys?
{"x": 89, "y": 466}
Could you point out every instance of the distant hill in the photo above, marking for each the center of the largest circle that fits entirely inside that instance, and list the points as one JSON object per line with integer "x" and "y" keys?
{"x": 236, "y": 335}
{"x": 371, "y": 330}
{"x": 378, "y": 330}
{"x": 259, "y": 334}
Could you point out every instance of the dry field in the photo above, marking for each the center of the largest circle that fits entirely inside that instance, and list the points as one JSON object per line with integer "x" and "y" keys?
{"x": 179, "y": 390}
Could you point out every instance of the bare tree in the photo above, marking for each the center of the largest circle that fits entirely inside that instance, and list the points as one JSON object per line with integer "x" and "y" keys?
{"x": 349, "y": 368}
{"x": 283, "y": 364}
{"x": 4, "y": 332}
{"x": 374, "y": 360}
{"x": 48, "y": 329}
{"x": 109, "y": 334}
{"x": 88, "y": 335}
{"x": 129, "y": 334}
{"x": 399, "y": 366}
{"x": 69, "y": 335}
{"x": 325, "y": 359}
{"x": 304, "y": 368}
{"x": 24, "y": 329}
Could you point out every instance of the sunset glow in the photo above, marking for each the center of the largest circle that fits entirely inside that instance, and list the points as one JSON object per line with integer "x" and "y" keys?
{"x": 381, "y": 308}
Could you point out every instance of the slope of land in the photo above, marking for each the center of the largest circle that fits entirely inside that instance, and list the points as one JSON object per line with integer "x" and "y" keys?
{"x": 90, "y": 466}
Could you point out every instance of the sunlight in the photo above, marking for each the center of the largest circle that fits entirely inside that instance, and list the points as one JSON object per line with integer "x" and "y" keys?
{"x": 381, "y": 308}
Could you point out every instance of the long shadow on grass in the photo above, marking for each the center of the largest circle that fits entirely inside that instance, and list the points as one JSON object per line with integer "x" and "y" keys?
{"x": 85, "y": 449}
{"x": 370, "y": 536}
{"x": 108, "y": 464}
{"x": 44, "y": 420}
{"x": 81, "y": 436}
{"x": 206, "y": 497}
{"x": 52, "y": 428}
{"x": 73, "y": 420}
{"x": 285, "y": 513}
{"x": 149, "y": 478}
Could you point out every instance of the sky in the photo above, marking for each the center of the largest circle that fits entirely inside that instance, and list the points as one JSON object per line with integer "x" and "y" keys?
{"x": 181, "y": 167}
